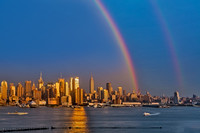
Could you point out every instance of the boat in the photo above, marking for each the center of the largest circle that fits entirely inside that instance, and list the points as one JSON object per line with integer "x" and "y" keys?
{"x": 95, "y": 106}
{"x": 33, "y": 104}
{"x": 146, "y": 114}
{"x": 196, "y": 104}
{"x": 17, "y": 113}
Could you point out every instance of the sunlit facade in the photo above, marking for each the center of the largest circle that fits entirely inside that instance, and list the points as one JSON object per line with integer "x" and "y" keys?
{"x": 40, "y": 82}
{"x": 67, "y": 89}
{"x": 20, "y": 90}
{"x": 12, "y": 89}
{"x": 120, "y": 91}
{"x": 61, "y": 86}
{"x": 109, "y": 88}
{"x": 4, "y": 90}
{"x": 91, "y": 84}
{"x": 57, "y": 89}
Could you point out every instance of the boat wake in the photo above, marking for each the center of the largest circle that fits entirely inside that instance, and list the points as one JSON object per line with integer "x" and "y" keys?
{"x": 17, "y": 113}
{"x": 154, "y": 114}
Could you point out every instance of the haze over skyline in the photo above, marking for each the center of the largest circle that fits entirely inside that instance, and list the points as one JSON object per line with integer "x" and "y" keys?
{"x": 72, "y": 38}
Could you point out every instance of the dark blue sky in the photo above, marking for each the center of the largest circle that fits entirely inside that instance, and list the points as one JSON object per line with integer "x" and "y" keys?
{"x": 72, "y": 37}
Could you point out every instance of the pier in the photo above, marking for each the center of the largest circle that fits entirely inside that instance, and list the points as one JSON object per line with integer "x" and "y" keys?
{"x": 69, "y": 128}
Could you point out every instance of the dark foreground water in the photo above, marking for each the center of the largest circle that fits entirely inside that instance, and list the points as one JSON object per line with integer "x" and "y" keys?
{"x": 172, "y": 120}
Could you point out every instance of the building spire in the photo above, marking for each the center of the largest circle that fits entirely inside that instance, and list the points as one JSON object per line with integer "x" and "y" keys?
{"x": 40, "y": 75}
{"x": 91, "y": 75}
{"x": 40, "y": 80}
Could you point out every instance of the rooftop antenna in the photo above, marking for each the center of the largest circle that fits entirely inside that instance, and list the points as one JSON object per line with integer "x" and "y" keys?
{"x": 60, "y": 75}
{"x": 40, "y": 74}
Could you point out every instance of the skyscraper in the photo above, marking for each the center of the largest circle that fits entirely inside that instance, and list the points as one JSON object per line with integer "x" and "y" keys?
{"x": 79, "y": 96}
{"x": 61, "y": 86}
{"x": 66, "y": 89}
{"x": 91, "y": 85}
{"x": 76, "y": 83}
{"x": 109, "y": 88}
{"x": 28, "y": 89}
{"x": 20, "y": 90}
{"x": 71, "y": 84}
{"x": 57, "y": 90}
{"x": 176, "y": 97}
{"x": 4, "y": 90}
{"x": 12, "y": 89}
{"x": 105, "y": 95}
{"x": 40, "y": 82}
{"x": 75, "y": 91}
{"x": 99, "y": 89}
{"x": 33, "y": 86}
{"x": 120, "y": 91}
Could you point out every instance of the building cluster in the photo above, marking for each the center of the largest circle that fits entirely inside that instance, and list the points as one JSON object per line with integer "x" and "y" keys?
{"x": 69, "y": 93}
{"x": 59, "y": 93}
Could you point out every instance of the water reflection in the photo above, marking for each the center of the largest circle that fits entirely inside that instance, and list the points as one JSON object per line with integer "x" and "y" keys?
{"x": 78, "y": 120}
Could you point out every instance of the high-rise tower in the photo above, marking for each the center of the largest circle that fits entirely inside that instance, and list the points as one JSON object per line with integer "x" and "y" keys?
{"x": 12, "y": 89}
{"x": 66, "y": 89}
{"x": 28, "y": 89}
{"x": 176, "y": 97}
{"x": 109, "y": 88}
{"x": 71, "y": 84}
{"x": 75, "y": 90}
{"x": 4, "y": 90}
{"x": 40, "y": 82}
{"x": 20, "y": 90}
{"x": 61, "y": 82}
{"x": 91, "y": 84}
{"x": 120, "y": 91}
{"x": 76, "y": 83}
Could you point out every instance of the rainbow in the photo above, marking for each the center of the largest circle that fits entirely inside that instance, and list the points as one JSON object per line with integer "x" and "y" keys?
{"x": 120, "y": 41}
{"x": 169, "y": 41}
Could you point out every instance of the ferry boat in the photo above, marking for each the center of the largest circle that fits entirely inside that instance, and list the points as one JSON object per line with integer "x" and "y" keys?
{"x": 146, "y": 114}
{"x": 33, "y": 104}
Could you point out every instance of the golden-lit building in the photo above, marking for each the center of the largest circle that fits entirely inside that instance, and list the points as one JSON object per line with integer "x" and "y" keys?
{"x": 99, "y": 89}
{"x": 33, "y": 87}
{"x": 61, "y": 82}
{"x": 76, "y": 82}
{"x": 28, "y": 89}
{"x": 91, "y": 84}
{"x": 109, "y": 88}
{"x": 79, "y": 97}
{"x": 40, "y": 82}
{"x": 12, "y": 90}
{"x": 20, "y": 90}
{"x": 71, "y": 84}
{"x": 75, "y": 92}
{"x": 120, "y": 91}
{"x": 37, "y": 95}
{"x": 4, "y": 90}
{"x": 67, "y": 92}
{"x": 57, "y": 89}
{"x": 53, "y": 101}
{"x": 105, "y": 95}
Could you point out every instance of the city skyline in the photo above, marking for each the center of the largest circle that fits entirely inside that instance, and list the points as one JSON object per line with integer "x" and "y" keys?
{"x": 73, "y": 82}
{"x": 162, "y": 42}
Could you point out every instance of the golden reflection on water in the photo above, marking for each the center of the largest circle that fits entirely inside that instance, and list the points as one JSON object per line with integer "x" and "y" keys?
{"x": 78, "y": 121}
